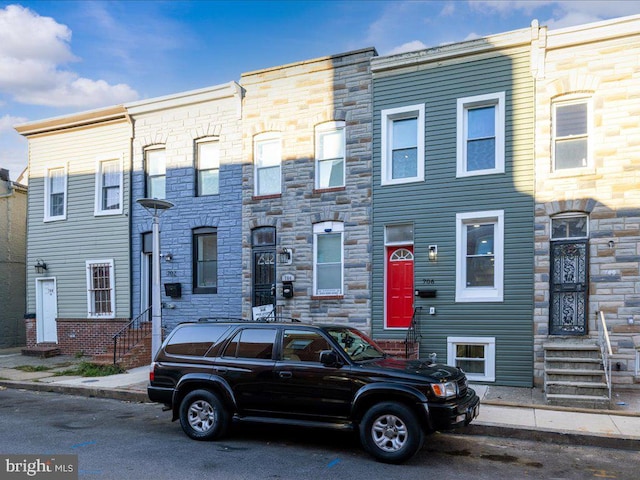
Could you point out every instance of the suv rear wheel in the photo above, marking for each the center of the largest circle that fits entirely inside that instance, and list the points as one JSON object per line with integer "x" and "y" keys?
{"x": 203, "y": 416}
{"x": 391, "y": 432}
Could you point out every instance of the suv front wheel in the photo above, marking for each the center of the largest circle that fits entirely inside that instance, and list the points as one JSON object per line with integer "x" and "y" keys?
{"x": 391, "y": 432}
{"x": 203, "y": 416}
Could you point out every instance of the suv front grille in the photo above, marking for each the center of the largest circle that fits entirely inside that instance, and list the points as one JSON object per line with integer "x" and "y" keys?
{"x": 463, "y": 384}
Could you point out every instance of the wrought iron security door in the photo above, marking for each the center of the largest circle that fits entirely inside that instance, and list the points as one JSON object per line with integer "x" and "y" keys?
{"x": 264, "y": 265}
{"x": 569, "y": 287}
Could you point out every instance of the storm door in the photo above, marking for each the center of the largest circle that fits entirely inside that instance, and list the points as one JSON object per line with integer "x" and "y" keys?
{"x": 568, "y": 282}
{"x": 264, "y": 265}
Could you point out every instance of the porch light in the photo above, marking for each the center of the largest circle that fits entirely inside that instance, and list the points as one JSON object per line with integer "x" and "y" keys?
{"x": 40, "y": 266}
{"x": 285, "y": 257}
{"x": 433, "y": 253}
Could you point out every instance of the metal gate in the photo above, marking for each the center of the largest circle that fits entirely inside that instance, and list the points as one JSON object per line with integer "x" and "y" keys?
{"x": 569, "y": 287}
{"x": 264, "y": 265}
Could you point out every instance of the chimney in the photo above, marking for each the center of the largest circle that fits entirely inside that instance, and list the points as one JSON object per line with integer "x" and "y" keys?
{"x": 4, "y": 174}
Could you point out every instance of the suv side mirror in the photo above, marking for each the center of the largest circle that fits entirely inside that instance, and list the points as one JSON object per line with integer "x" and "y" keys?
{"x": 329, "y": 358}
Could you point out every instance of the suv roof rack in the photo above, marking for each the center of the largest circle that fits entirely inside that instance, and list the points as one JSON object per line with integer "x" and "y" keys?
{"x": 266, "y": 319}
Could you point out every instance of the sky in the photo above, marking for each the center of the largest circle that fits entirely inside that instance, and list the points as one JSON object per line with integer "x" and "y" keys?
{"x": 63, "y": 57}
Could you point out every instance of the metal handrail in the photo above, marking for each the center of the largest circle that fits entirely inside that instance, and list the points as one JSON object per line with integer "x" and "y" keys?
{"x": 605, "y": 349}
{"x": 132, "y": 333}
{"x": 412, "y": 334}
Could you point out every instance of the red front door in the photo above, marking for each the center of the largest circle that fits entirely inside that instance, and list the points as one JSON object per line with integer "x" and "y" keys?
{"x": 399, "y": 301}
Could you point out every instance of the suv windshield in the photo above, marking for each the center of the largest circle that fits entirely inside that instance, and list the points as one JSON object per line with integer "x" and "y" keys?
{"x": 357, "y": 345}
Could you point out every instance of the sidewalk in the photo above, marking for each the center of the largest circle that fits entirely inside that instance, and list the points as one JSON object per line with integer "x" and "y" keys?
{"x": 505, "y": 411}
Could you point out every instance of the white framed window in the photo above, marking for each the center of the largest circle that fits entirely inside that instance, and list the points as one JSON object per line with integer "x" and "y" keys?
{"x": 481, "y": 134}
{"x": 475, "y": 355}
{"x": 568, "y": 226}
{"x": 330, "y": 155}
{"x": 403, "y": 145}
{"x": 328, "y": 258}
{"x": 205, "y": 260}
{"x": 208, "y": 167}
{"x": 55, "y": 194}
{"x": 480, "y": 256}
{"x": 268, "y": 162}
{"x": 101, "y": 302}
{"x": 156, "y": 173}
{"x": 570, "y": 134}
{"x": 108, "y": 197}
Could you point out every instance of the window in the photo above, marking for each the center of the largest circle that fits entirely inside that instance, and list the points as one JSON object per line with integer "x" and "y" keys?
{"x": 208, "y": 167}
{"x": 100, "y": 289}
{"x": 108, "y": 187}
{"x": 398, "y": 234}
{"x": 481, "y": 133}
{"x": 205, "y": 260}
{"x": 327, "y": 255}
{"x": 55, "y": 195}
{"x": 480, "y": 256}
{"x": 156, "y": 170}
{"x": 267, "y": 164}
{"x": 571, "y": 134}
{"x": 303, "y": 346}
{"x": 570, "y": 226}
{"x": 330, "y": 156}
{"x": 403, "y": 145}
{"x": 252, "y": 343}
{"x": 194, "y": 340}
{"x": 475, "y": 355}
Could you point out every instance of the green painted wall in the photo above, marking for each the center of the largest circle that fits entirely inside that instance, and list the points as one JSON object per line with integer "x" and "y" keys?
{"x": 432, "y": 206}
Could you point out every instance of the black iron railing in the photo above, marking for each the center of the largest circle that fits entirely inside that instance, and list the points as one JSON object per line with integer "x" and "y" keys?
{"x": 131, "y": 334}
{"x": 413, "y": 334}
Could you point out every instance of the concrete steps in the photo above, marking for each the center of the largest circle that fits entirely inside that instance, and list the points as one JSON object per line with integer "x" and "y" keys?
{"x": 574, "y": 375}
{"x": 139, "y": 355}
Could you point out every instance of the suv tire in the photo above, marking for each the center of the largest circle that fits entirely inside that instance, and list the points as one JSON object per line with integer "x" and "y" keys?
{"x": 390, "y": 432}
{"x": 203, "y": 416}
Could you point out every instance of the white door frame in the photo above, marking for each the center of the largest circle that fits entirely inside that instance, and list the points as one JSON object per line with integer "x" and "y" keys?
{"x": 46, "y": 328}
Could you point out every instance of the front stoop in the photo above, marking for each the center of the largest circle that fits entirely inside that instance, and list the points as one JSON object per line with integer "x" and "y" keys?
{"x": 138, "y": 356}
{"x": 574, "y": 375}
{"x": 42, "y": 351}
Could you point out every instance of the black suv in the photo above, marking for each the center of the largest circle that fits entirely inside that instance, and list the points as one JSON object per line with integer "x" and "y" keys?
{"x": 333, "y": 376}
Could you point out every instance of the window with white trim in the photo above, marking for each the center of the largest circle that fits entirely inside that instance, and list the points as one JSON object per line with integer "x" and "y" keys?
{"x": 208, "y": 167}
{"x": 398, "y": 234}
{"x": 571, "y": 120}
{"x": 330, "y": 155}
{"x": 205, "y": 260}
{"x": 108, "y": 187}
{"x": 100, "y": 289}
{"x": 156, "y": 173}
{"x": 268, "y": 163}
{"x": 327, "y": 258}
{"x": 480, "y": 134}
{"x": 475, "y": 355}
{"x": 403, "y": 144}
{"x": 55, "y": 194}
{"x": 480, "y": 256}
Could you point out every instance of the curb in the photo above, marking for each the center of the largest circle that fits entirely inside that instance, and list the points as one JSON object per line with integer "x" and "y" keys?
{"x": 111, "y": 393}
{"x": 554, "y": 436}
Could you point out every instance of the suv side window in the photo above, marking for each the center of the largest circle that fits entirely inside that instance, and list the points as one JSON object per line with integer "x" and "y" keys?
{"x": 303, "y": 345}
{"x": 252, "y": 343}
{"x": 194, "y": 340}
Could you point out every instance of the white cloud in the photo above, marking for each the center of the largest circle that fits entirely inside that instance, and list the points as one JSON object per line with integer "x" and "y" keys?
{"x": 34, "y": 52}
{"x": 7, "y": 122}
{"x": 407, "y": 47}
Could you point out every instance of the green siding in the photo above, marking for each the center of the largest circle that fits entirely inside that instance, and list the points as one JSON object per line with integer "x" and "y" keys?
{"x": 432, "y": 206}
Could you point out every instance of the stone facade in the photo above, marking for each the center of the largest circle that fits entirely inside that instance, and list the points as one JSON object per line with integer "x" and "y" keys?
{"x": 13, "y": 244}
{"x": 598, "y": 63}
{"x": 293, "y": 100}
{"x": 176, "y": 123}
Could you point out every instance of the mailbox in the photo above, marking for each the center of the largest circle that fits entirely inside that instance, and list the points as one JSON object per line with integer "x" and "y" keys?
{"x": 173, "y": 290}
{"x": 426, "y": 292}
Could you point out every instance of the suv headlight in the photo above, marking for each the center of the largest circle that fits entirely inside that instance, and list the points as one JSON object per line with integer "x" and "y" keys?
{"x": 445, "y": 390}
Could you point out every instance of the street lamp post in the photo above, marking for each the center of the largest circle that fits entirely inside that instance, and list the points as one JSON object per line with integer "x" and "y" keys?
{"x": 155, "y": 208}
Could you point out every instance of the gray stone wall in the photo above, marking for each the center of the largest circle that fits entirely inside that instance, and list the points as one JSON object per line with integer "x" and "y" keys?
{"x": 293, "y": 100}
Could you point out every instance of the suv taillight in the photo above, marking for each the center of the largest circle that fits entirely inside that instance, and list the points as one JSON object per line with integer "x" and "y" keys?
{"x": 152, "y": 372}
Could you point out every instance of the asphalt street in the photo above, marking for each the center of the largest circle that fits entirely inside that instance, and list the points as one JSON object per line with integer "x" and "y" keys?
{"x": 121, "y": 440}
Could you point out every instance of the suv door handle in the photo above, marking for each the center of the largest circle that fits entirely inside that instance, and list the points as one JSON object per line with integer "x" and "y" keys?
{"x": 221, "y": 369}
{"x": 285, "y": 374}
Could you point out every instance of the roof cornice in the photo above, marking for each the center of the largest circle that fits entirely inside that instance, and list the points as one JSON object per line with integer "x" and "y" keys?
{"x": 75, "y": 120}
